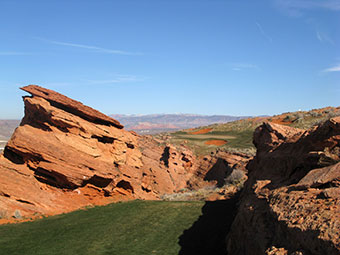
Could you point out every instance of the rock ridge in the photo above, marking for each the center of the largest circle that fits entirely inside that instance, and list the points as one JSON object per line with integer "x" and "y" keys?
{"x": 291, "y": 200}
{"x": 69, "y": 105}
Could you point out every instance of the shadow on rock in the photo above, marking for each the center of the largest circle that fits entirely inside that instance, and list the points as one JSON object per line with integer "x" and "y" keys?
{"x": 208, "y": 234}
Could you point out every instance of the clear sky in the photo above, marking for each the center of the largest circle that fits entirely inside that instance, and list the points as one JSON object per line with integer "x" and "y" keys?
{"x": 233, "y": 57}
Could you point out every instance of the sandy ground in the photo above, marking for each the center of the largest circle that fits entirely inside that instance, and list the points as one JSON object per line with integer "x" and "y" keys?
{"x": 216, "y": 142}
{"x": 202, "y": 131}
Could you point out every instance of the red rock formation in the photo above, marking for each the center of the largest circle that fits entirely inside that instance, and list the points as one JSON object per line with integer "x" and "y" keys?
{"x": 291, "y": 201}
{"x": 69, "y": 105}
{"x": 216, "y": 167}
{"x": 65, "y": 155}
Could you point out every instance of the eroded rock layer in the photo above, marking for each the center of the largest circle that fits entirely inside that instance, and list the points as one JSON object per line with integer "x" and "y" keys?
{"x": 65, "y": 155}
{"x": 291, "y": 201}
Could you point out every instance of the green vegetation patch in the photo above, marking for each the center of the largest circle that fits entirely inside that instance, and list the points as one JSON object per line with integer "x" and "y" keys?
{"x": 237, "y": 139}
{"x": 136, "y": 227}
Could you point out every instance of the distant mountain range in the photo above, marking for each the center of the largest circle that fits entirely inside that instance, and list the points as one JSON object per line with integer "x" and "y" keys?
{"x": 143, "y": 124}
{"x": 7, "y": 127}
{"x": 155, "y": 123}
{"x": 6, "y": 130}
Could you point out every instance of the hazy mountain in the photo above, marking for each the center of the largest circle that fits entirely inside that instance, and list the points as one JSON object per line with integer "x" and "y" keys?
{"x": 154, "y": 123}
{"x": 7, "y": 127}
{"x": 6, "y": 130}
{"x": 147, "y": 124}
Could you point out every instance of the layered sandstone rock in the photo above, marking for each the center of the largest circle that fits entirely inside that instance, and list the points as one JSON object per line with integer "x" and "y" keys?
{"x": 65, "y": 155}
{"x": 217, "y": 167}
{"x": 291, "y": 201}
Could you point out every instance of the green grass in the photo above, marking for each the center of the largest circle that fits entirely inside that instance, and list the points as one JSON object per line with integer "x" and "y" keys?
{"x": 237, "y": 139}
{"x": 136, "y": 227}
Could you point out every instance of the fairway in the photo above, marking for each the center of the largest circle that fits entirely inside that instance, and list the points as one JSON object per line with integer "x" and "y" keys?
{"x": 136, "y": 227}
{"x": 204, "y": 136}
{"x": 230, "y": 138}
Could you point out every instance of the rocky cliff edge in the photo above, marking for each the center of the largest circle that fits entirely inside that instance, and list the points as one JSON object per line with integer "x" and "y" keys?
{"x": 291, "y": 200}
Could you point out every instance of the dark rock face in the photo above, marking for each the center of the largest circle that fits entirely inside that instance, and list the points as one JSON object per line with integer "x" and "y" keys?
{"x": 291, "y": 200}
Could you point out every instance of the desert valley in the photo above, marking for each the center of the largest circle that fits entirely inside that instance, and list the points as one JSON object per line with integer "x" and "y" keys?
{"x": 170, "y": 127}
{"x": 279, "y": 195}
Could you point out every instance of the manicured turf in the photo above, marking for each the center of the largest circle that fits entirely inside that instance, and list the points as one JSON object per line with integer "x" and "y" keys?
{"x": 136, "y": 227}
{"x": 236, "y": 139}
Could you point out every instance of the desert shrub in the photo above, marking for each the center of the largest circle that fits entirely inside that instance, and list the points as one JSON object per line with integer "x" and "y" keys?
{"x": 3, "y": 214}
{"x": 236, "y": 177}
{"x": 288, "y": 118}
{"x": 333, "y": 114}
{"x": 299, "y": 116}
{"x": 315, "y": 114}
{"x": 247, "y": 151}
{"x": 17, "y": 214}
{"x": 193, "y": 195}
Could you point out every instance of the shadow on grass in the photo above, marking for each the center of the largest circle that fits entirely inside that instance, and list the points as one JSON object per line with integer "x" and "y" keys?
{"x": 208, "y": 234}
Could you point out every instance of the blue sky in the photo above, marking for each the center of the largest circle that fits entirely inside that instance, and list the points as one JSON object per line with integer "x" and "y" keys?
{"x": 231, "y": 57}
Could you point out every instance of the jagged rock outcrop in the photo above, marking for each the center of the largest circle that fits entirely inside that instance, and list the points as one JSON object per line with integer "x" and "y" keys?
{"x": 217, "y": 166}
{"x": 72, "y": 106}
{"x": 291, "y": 200}
{"x": 65, "y": 155}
